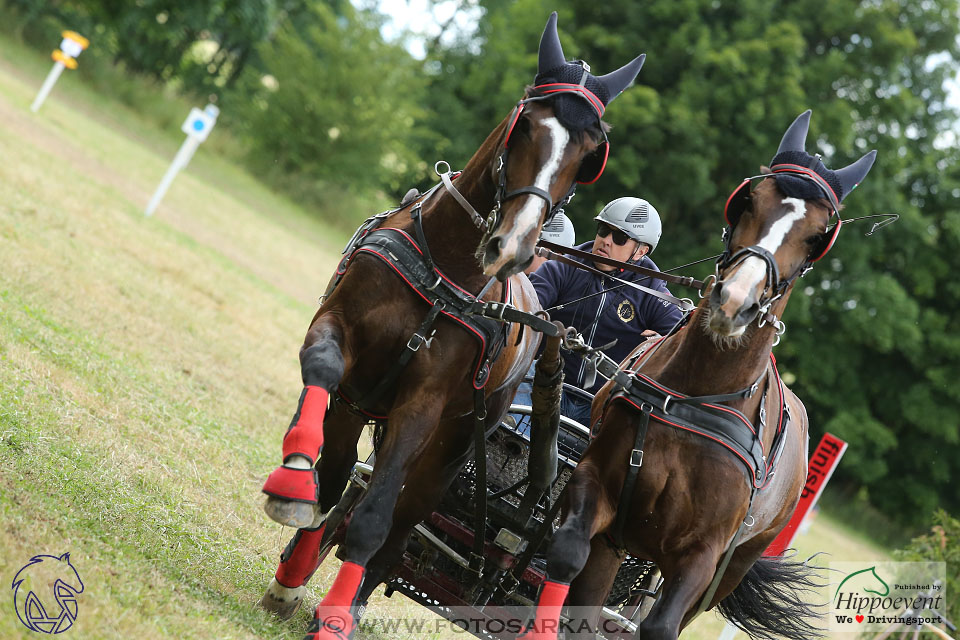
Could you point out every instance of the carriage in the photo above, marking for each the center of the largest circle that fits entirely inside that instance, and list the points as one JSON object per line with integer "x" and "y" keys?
{"x": 436, "y": 572}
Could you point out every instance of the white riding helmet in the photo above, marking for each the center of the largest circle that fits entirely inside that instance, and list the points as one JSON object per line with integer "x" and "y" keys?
{"x": 559, "y": 230}
{"x": 635, "y": 217}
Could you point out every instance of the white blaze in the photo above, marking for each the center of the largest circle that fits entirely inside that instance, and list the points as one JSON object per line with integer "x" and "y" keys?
{"x": 528, "y": 216}
{"x": 753, "y": 270}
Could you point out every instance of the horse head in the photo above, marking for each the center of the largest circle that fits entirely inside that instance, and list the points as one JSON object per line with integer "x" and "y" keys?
{"x": 780, "y": 223}
{"x": 553, "y": 139}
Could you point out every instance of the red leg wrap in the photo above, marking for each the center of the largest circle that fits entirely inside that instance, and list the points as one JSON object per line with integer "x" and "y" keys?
{"x": 547, "y": 623}
{"x": 305, "y": 436}
{"x": 298, "y": 485}
{"x": 301, "y": 558}
{"x": 333, "y": 618}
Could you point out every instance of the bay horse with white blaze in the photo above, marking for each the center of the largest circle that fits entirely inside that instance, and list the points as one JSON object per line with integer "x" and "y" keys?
{"x": 697, "y": 413}
{"x": 397, "y": 338}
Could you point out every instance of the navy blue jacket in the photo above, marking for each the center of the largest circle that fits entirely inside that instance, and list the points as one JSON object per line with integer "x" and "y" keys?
{"x": 621, "y": 315}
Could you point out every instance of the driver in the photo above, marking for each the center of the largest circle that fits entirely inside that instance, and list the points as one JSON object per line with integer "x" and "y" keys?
{"x": 559, "y": 230}
{"x": 628, "y": 229}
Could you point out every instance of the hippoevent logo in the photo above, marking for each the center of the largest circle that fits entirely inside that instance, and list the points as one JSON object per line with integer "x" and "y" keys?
{"x": 880, "y": 596}
{"x": 45, "y": 593}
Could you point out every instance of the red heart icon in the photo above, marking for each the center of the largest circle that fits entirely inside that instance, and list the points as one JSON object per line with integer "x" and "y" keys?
{"x": 859, "y": 618}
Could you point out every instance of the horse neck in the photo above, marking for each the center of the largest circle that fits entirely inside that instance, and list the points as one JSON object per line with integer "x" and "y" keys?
{"x": 699, "y": 366}
{"x": 449, "y": 229}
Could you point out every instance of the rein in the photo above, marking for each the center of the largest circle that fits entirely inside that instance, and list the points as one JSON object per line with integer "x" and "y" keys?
{"x": 685, "y": 304}
{"x": 683, "y": 281}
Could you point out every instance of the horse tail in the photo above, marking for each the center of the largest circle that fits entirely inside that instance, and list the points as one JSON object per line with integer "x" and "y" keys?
{"x": 773, "y": 600}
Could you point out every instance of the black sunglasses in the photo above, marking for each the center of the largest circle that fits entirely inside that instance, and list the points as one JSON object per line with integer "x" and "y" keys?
{"x": 619, "y": 237}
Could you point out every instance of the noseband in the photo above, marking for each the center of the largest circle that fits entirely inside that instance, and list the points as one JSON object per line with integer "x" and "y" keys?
{"x": 774, "y": 286}
{"x": 548, "y": 91}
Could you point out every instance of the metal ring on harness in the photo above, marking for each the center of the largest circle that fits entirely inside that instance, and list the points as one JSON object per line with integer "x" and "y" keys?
{"x": 781, "y": 329}
{"x": 707, "y": 281}
{"x": 436, "y": 167}
{"x": 435, "y": 284}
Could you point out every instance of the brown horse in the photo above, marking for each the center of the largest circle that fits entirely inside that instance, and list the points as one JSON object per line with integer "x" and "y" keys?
{"x": 677, "y": 495}
{"x": 402, "y": 294}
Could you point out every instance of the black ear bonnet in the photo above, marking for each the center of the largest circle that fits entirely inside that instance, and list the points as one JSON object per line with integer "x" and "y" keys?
{"x": 801, "y": 175}
{"x": 574, "y": 111}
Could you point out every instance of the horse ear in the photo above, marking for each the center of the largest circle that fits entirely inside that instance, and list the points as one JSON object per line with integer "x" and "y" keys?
{"x": 795, "y": 139}
{"x": 618, "y": 80}
{"x": 551, "y": 53}
{"x": 852, "y": 175}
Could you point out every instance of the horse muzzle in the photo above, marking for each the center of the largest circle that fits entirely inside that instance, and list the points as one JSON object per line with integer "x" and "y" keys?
{"x": 503, "y": 258}
{"x": 732, "y": 308}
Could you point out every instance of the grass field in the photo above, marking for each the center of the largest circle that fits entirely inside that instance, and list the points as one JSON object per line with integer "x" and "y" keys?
{"x": 148, "y": 368}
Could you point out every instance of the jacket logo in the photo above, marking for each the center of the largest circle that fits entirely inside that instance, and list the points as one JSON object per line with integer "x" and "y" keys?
{"x": 625, "y": 311}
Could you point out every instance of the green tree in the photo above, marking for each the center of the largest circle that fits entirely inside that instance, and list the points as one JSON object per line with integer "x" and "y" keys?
{"x": 337, "y": 105}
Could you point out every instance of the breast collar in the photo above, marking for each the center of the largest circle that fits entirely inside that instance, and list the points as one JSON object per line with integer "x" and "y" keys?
{"x": 412, "y": 262}
{"x": 704, "y": 417}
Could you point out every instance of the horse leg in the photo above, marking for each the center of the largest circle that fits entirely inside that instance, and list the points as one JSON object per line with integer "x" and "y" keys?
{"x": 429, "y": 479}
{"x": 589, "y": 589}
{"x": 588, "y": 512}
{"x": 687, "y": 574}
{"x": 302, "y": 556}
{"x": 413, "y": 417}
{"x": 293, "y": 488}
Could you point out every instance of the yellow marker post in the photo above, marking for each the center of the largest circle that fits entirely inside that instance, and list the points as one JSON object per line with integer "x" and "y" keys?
{"x": 64, "y": 58}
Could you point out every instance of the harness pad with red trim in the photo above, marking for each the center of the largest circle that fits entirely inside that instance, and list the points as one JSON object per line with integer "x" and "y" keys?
{"x": 406, "y": 258}
{"x": 723, "y": 425}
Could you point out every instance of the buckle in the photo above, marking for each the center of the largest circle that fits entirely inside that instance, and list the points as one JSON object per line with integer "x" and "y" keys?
{"x": 416, "y": 340}
{"x": 508, "y": 583}
{"x": 666, "y": 401}
{"x": 636, "y": 458}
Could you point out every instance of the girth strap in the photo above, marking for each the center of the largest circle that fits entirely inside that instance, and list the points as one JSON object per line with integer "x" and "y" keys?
{"x": 630, "y": 483}
{"x": 722, "y": 567}
{"x": 480, "y": 486}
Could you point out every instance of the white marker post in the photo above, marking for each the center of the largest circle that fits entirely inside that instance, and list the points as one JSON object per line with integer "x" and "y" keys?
{"x": 197, "y": 126}
{"x": 65, "y": 57}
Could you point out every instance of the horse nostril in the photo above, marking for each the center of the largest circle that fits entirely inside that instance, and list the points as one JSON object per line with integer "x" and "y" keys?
{"x": 718, "y": 297}
{"x": 493, "y": 250}
{"x": 746, "y": 315}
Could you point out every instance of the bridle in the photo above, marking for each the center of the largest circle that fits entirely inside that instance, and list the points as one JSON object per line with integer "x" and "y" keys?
{"x": 774, "y": 285}
{"x": 591, "y": 167}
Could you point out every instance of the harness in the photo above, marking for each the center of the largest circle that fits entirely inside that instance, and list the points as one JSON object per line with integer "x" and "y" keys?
{"x": 704, "y": 417}
{"x": 699, "y": 415}
{"x": 411, "y": 260}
